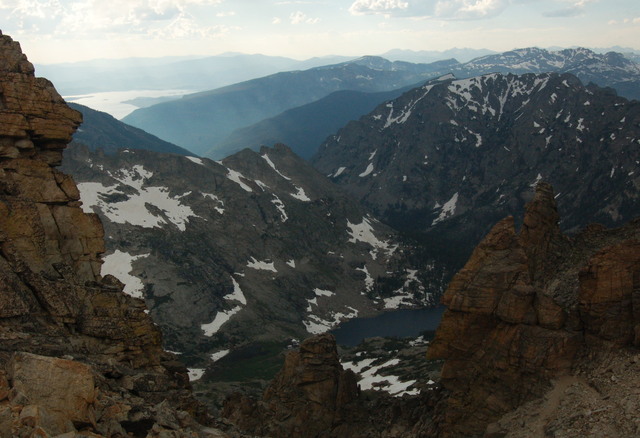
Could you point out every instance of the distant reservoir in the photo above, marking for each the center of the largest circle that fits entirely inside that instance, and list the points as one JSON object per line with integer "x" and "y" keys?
{"x": 402, "y": 323}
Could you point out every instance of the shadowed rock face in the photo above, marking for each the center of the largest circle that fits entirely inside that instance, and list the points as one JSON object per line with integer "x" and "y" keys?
{"x": 311, "y": 394}
{"x": 523, "y": 308}
{"x": 53, "y": 301}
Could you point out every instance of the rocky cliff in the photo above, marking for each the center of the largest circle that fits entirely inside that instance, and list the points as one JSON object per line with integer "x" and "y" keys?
{"x": 76, "y": 353}
{"x": 531, "y": 311}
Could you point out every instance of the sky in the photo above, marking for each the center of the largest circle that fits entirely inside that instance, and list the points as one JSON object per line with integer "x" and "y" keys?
{"x": 54, "y": 31}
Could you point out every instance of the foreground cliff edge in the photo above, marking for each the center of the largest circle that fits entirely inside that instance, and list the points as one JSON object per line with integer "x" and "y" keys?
{"x": 545, "y": 323}
{"x": 76, "y": 353}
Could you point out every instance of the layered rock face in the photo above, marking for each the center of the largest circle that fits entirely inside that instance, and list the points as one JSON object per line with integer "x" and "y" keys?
{"x": 75, "y": 352}
{"x": 529, "y": 307}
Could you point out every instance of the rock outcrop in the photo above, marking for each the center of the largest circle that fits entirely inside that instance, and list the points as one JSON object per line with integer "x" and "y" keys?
{"x": 313, "y": 396}
{"x": 527, "y": 308}
{"x": 308, "y": 397}
{"x": 76, "y": 353}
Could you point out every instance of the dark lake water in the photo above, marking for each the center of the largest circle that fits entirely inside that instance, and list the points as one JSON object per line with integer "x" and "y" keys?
{"x": 402, "y": 323}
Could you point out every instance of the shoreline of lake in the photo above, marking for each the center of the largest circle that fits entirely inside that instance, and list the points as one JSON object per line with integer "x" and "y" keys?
{"x": 402, "y": 323}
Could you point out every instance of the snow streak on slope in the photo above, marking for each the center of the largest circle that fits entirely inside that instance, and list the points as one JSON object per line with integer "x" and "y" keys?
{"x": 225, "y": 315}
{"x": 448, "y": 209}
{"x": 273, "y": 166}
{"x": 236, "y": 176}
{"x": 405, "y": 112}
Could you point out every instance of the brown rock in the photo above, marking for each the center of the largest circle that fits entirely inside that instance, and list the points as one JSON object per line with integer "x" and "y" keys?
{"x": 610, "y": 293}
{"x": 63, "y": 389}
{"x": 501, "y": 336}
{"x": 53, "y": 301}
{"x": 518, "y": 311}
{"x": 308, "y": 397}
{"x": 497, "y": 264}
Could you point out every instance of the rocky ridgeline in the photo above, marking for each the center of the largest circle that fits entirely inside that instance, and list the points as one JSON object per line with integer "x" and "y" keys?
{"x": 531, "y": 311}
{"x": 76, "y": 354}
{"x": 451, "y": 158}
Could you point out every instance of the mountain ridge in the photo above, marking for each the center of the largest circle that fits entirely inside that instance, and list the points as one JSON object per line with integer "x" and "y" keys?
{"x": 457, "y": 155}
{"x": 201, "y": 120}
{"x": 102, "y": 131}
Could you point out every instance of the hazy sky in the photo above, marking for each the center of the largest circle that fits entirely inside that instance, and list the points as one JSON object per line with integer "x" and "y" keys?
{"x": 70, "y": 30}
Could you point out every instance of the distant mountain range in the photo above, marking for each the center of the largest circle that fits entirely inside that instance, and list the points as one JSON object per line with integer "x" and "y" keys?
{"x": 607, "y": 70}
{"x": 446, "y": 160}
{"x": 100, "y": 130}
{"x": 427, "y": 56}
{"x": 168, "y": 73}
{"x": 305, "y": 127}
{"x": 199, "y": 122}
{"x": 216, "y": 123}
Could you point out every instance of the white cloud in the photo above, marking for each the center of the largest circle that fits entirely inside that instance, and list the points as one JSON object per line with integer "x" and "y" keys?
{"x": 440, "y": 9}
{"x": 573, "y": 8}
{"x": 300, "y": 17}
{"x": 276, "y": 20}
{"x": 84, "y": 17}
{"x": 469, "y": 9}
{"x": 361, "y": 7}
{"x": 451, "y": 10}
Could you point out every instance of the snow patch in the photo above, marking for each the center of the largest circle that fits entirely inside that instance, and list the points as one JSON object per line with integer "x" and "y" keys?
{"x": 536, "y": 181}
{"x": 323, "y": 293}
{"x": 120, "y": 264}
{"x": 280, "y": 206}
{"x": 339, "y": 172}
{"x": 236, "y": 176}
{"x": 370, "y": 377}
{"x": 219, "y": 355}
{"x": 317, "y": 325}
{"x": 220, "y": 207}
{"x": 448, "y": 209}
{"x": 363, "y": 232}
{"x": 300, "y": 195}
{"x": 368, "y": 171}
{"x": 403, "y": 296}
{"x": 237, "y": 294}
{"x": 195, "y": 373}
{"x": 264, "y": 266}
{"x": 196, "y": 160}
{"x": 368, "y": 279}
{"x": 273, "y": 166}
{"x": 132, "y": 208}
{"x": 220, "y": 319}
